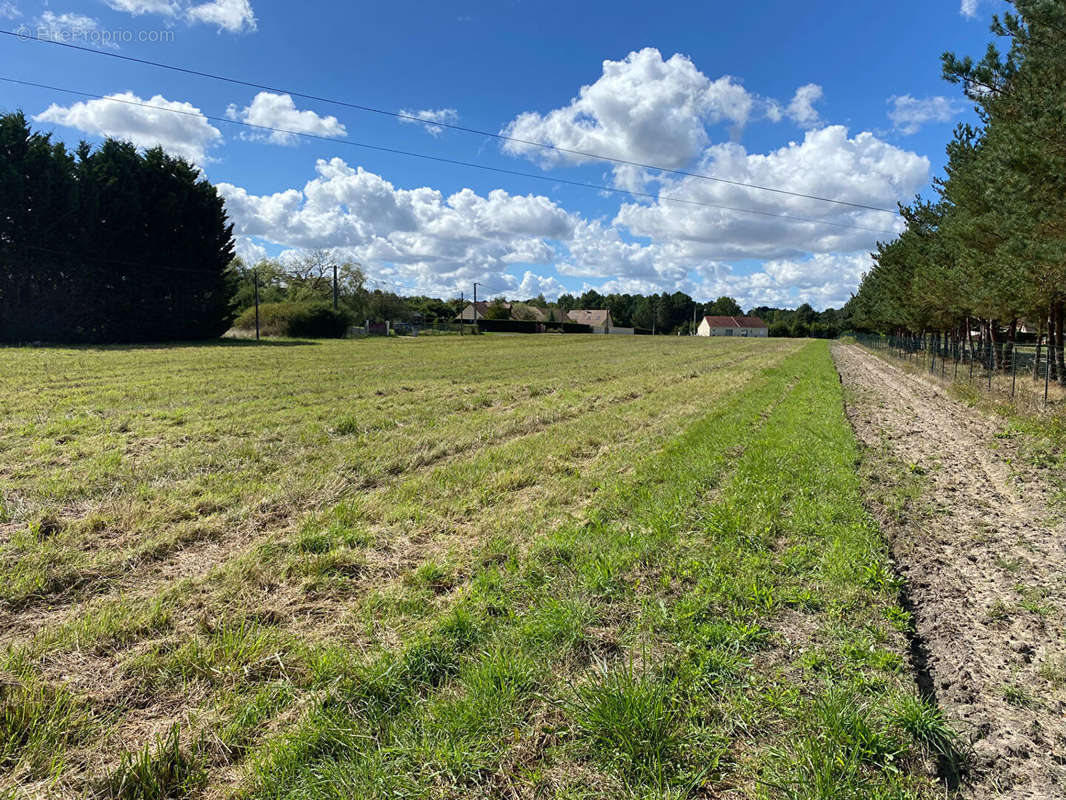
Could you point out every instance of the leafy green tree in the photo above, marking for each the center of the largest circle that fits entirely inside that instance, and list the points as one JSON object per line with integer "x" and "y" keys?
{"x": 591, "y": 299}
{"x": 430, "y": 309}
{"x": 780, "y": 330}
{"x": 271, "y": 278}
{"x": 309, "y": 277}
{"x": 724, "y": 307}
{"x": 525, "y": 312}
{"x": 497, "y": 309}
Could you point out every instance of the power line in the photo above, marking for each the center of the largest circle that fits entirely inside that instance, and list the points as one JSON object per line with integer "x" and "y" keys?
{"x": 450, "y": 126}
{"x": 452, "y": 161}
{"x": 82, "y": 256}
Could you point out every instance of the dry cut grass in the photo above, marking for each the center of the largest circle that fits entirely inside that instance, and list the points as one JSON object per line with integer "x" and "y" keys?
{"x": 503, "y": 566}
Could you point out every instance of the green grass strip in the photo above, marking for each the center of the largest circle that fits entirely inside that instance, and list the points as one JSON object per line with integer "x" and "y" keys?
{"x": 729, "y": 620}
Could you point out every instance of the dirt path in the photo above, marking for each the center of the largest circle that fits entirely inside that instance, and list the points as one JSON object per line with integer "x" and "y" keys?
{"x": 985, "y": 562}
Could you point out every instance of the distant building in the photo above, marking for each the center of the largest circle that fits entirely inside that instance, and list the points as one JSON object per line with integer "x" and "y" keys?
{"x": 525, "y": 312}
{"x": 529, "y": 313}
{"x": 732, "y": 326}
{"x": 482, "y": 306}
{"x": 597, "y": 318}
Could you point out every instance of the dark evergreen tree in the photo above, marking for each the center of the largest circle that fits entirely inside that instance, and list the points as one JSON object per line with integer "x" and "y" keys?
{"x": 111, "y": 246}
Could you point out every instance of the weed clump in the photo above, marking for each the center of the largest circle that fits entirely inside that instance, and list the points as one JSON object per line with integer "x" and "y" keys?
{"x": 37, "y": 722}
{"x": 630, "y": 723}
{"x": 167, "y": 771}
{"x": 925, "y": 725}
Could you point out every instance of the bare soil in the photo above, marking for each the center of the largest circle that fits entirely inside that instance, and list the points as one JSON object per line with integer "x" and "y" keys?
{"x": 983, "y": 554}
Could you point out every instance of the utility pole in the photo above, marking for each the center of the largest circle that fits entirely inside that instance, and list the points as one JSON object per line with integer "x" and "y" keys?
{"x": 255, "y": 282}
{"x": 334, "y": 285}
{"x": 462, "y": 308}
{"x": 694, "y": 310}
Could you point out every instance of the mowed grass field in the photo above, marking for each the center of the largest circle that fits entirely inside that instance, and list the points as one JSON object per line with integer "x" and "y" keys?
{"x": 580, "y": 567}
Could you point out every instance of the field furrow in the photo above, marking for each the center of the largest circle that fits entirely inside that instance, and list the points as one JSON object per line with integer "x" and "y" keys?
{"x": 984, "y": 552}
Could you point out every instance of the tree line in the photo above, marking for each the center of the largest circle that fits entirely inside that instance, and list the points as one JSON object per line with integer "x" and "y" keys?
{"x": 677, "y": 312}
{"x": 306, "y": 278}
{"x": 108, "y": 245}
{"x": 982, "y": 263}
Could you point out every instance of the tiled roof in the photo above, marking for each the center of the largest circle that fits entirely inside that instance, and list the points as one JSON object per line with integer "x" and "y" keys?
{"x": 587, "y": 316}
{"x": 735, "y": 322}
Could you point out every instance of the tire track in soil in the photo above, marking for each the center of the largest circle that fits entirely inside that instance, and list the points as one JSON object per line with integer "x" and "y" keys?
{"x": 982, "y": 534}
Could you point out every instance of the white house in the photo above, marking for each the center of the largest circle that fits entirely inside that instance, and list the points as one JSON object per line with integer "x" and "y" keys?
{"x": 732, "y": 326}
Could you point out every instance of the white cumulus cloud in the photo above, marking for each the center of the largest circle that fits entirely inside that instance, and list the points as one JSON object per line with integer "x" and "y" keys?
{"x": 279, "y": 111}
{"x": 642, "y": 108}
{"x": 232, "y": 16}
{"x": 968, "y": 8}
{"x": 827, "y": 163}
{"x": 823, "y": 280}
{"x": 909, "y": 114}
{"x": 138, "y": 7}
{"x": 801, "y": 110}
{"x": 71, "y": 27}
{"x": 146, "y": 123}
{"x": 430, "y": 116}
{"x": 9, "y": 10}
{"x": 418, "y": 237}
{"x": 428, "y": 242}
{"x": 648, "y": 110}
{"x": 533, "y": 285}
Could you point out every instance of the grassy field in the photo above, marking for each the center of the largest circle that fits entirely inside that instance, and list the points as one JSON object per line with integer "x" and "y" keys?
{"x": 580, "y": 567}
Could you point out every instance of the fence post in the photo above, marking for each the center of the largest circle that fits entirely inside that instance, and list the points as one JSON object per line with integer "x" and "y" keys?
{"x": 1013, "y": 370}
{"x": 255, "y": 281}
{"x": 1047, "y": 371}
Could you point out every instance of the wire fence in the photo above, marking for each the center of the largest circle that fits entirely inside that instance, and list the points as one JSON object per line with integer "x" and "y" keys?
{"x": 430, "y": 328}
{"x": 1031, "y": 374}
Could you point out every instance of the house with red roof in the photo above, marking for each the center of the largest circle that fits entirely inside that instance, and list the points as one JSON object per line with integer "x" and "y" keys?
{"x": 732, "y": 326}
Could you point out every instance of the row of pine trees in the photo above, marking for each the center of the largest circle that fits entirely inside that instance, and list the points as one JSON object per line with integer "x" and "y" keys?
{"x": 108, "y": 245}
{"x": 986, "y": 256}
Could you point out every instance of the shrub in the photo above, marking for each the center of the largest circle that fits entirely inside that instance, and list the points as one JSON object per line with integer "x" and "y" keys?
{"x": 313, "y": 320}
{"x": 780, "y": 329}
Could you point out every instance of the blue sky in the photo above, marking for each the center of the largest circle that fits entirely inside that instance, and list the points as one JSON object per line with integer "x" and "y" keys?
{"x": 840, "y": 100}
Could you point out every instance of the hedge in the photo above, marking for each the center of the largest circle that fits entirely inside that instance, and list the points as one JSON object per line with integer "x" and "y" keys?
{"x": 312, "y": 320}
